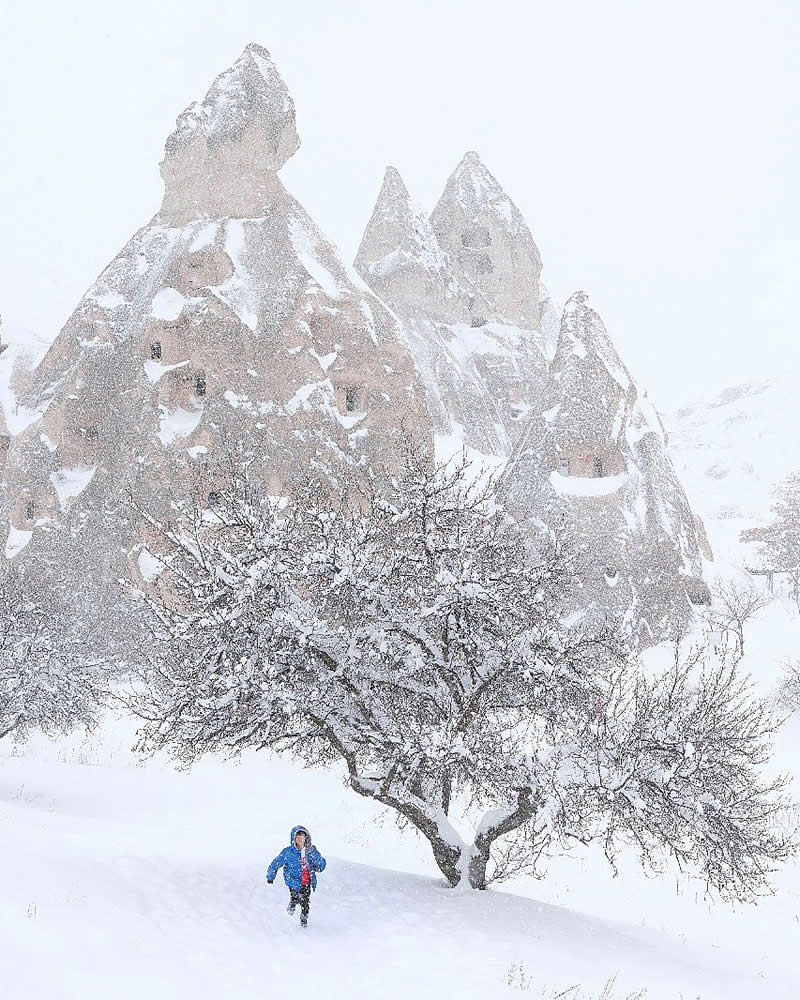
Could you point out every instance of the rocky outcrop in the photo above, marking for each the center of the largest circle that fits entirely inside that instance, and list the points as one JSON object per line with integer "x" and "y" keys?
{"x": 554, "y": 408}
{"x": 222, "y": 159}
{"x": 227, "y": 330}
{"x": 491, "y": 247}
{"x": 594, "y": 448}
{"x": 480, "y": 369}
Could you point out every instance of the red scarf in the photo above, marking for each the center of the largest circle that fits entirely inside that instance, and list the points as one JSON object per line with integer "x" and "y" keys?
{"x": 306, "y": 871}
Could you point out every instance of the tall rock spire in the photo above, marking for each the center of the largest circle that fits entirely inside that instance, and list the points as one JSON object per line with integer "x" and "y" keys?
{"x": 400, "y": 257}
{"x": 479, "y": 368}
{"x": 594, "y": 447}
{"x": 483, "y": 231}
{"x": 222, "y": 157}
{"x": 227, "y": 329}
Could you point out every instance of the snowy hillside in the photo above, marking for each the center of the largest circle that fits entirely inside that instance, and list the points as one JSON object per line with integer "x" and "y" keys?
{"x": 731, "y": 448}
{"x": 130, "y": 881}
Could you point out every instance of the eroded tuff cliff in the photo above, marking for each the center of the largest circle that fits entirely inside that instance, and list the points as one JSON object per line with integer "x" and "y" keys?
{"x": 227, "y": 327}
{"x": 551, "y": 405}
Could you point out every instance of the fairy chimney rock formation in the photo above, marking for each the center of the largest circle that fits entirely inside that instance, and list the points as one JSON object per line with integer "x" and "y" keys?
{"x": 222, "y": 158}
{"x": 483, "y": 231}
{"x": 227, "y": 329}
{"x": 401, "y": 260}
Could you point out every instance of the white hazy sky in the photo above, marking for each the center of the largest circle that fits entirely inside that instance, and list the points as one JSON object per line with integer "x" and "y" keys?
{"x": 653, "y": 148}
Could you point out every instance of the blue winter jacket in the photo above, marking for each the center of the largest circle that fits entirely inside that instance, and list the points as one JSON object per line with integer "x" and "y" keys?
{"x": 289, "y": 860}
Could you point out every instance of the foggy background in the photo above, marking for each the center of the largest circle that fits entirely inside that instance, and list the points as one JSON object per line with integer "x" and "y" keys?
{"x": 654, "y": 151}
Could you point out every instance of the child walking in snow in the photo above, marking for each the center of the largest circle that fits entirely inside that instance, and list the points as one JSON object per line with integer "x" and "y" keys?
{"x": 300, "y": 862}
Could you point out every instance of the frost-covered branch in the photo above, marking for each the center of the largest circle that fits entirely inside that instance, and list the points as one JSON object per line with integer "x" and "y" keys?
{"x": 50, "y": 678}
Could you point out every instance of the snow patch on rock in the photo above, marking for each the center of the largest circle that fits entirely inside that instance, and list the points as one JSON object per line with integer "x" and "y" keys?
{"x": 17, "y": 540}
{"x": 70, "y": 483}
{"x": 168, "y": 304}
{"x": 177, "y": 423}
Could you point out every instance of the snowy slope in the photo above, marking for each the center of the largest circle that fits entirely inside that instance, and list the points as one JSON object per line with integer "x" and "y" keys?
{"x": 130, "y": 881}
{"x": 731, "y": 448}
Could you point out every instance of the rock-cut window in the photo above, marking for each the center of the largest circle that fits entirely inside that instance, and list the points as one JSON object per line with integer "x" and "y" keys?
{"x": 214, "y": 497}
{"x": 200, "y": 385}
{"x": 350, "y": 400}
{"x": 155, "y": 350}
{"x": 483, "y": 264}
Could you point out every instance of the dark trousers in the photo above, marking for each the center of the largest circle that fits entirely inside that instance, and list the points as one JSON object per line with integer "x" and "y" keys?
{"x": 301, "y": 896}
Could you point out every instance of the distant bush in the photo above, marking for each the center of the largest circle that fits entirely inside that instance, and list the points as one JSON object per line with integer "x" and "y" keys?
{"x": 788, "y": 696}
{"x": 517, "y": 978}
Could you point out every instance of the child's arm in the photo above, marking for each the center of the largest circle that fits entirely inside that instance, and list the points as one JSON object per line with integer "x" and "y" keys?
{"x": 279, "y": 862}
{"x": 317, "y": 860}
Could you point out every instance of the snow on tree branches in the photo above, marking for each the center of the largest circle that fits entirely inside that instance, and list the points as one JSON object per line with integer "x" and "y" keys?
{"x": 49, "y": 680}
{"x": 733, "y": 605}
{"x": 779, "y": 541}
{"x": 413, "y": 634}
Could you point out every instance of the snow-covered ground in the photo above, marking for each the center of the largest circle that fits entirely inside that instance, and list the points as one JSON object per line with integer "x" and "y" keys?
{"x": 123, "y": 879}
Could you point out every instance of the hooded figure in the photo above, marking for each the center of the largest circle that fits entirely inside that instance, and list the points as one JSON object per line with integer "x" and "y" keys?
{"x": 300, "y": 862}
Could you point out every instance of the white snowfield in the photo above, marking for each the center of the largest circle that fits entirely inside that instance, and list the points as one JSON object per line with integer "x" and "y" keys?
{"x": 123, "y": 882}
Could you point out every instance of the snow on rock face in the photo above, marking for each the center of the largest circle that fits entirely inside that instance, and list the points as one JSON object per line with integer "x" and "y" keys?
{"x": 70, "y": 483}
{"x": 168, "y": 304}
{"x": 149, "y": 566}
{"x": 231, "y": 278}
{"x": 584, "y": 486}
{"x": 306, "y": 247}
{"x": 16, "y": 542}
{"x": 484, "y": 233}
{"x": 238, "y": 136}
{"x": 594, "y": 447}
{"x": 178, "y": 423}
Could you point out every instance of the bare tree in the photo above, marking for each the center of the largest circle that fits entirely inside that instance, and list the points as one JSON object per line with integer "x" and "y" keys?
{"x": 49, "y": 680}
{"x": 788, "y": 696}
{"x": 733, "y": 605}
{"x": 411, "y": 633}
{"x": 779, "y": 541}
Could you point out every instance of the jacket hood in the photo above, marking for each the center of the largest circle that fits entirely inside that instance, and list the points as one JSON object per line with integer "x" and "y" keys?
{"x": 299, "y": 829}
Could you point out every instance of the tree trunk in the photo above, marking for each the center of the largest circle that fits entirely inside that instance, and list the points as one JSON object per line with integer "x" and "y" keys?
{"x": 481, "y": 852}
{"x": 447, "y": 791}
{"x": 447, "y": 854}
{"x": 454, "y": 858}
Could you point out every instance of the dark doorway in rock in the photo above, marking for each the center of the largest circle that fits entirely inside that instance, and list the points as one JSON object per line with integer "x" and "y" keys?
{"x": 155, "y": 350}
{"x": 200, "y": 385}
{"x": 598, "y": 466}
{"x": 30, "y": 509}
{"x": 483, "y": 264}
{"x": 350, "y": 400}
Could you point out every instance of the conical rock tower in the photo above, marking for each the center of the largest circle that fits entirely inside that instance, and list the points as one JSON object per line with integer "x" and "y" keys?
{"x": 227, "y": 329}
{"x": 479, "y": 367}
{"x": 594, "y": 450}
